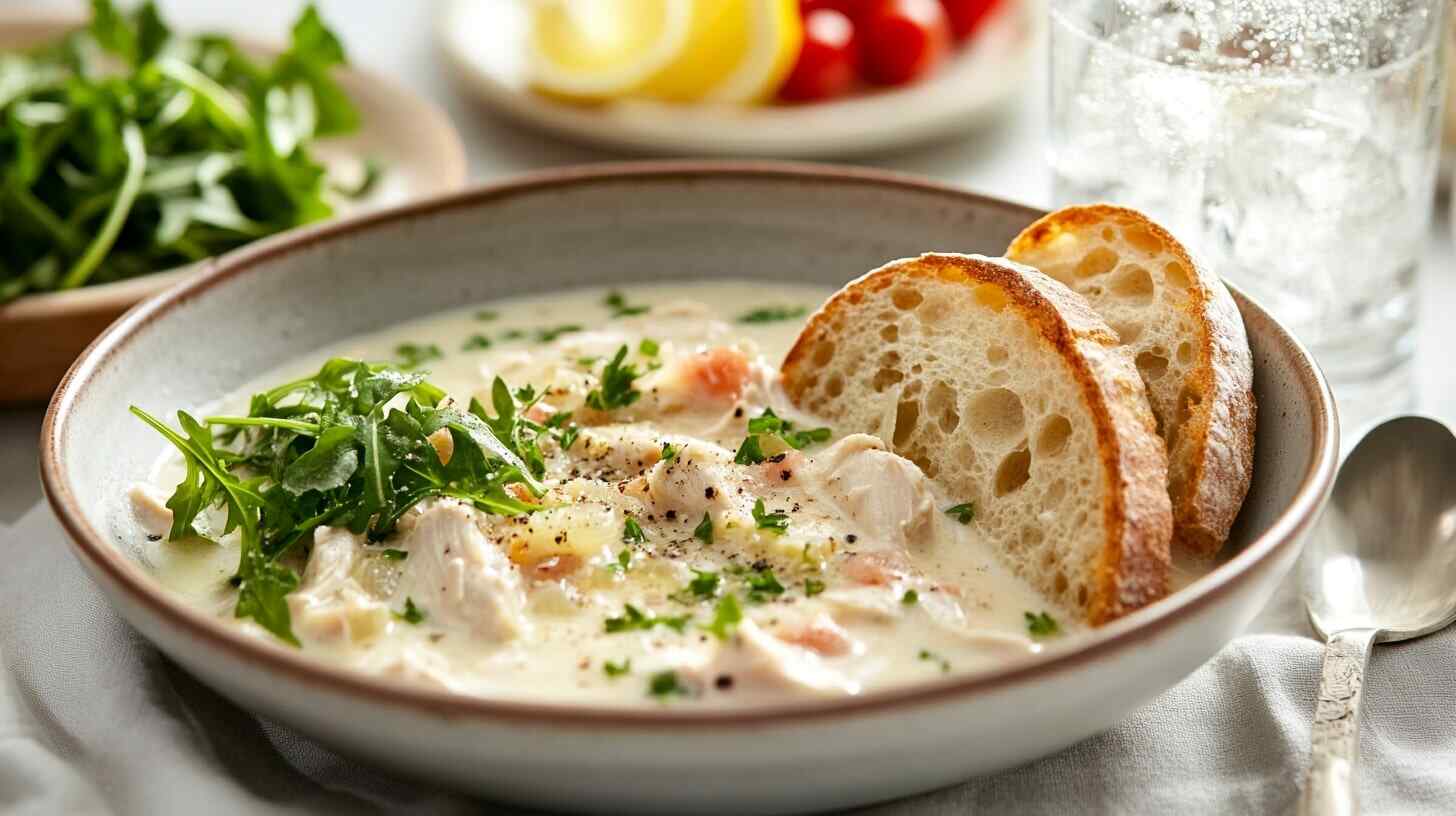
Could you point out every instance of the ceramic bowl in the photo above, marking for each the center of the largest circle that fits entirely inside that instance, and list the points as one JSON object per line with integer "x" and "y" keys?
{"x": 621, "y": 224}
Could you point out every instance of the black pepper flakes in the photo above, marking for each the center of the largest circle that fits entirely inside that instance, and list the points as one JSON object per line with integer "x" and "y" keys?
{"x": 723, "y": 682}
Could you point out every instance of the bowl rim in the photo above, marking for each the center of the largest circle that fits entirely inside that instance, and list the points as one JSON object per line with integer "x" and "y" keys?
{"x": 1143, "y": 625}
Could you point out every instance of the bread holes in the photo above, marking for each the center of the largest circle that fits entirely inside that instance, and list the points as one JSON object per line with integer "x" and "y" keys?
{"x": 998, "y": 377}
{"x": 907, "y": 417}
{"x": 936, "y": 310}
{"x": 1013, "y": 472}
{"x": 1060, "y": 583}
{"x": 940, "y": 403}
{"x": 905, "y": 298}
{"x": 1185, "y": 353}
{"x": 1134, "y": 283}
{"x": 835, "y": 386}
{"x": 912, "y": 388}
{"x": 823, "y": 353}
{"x": 1055, "y": 492}
{"x": 1108, "y": 234}
{"x": 884, "y": 378}
{"x": 890, "y": 333}
{"x": 996, "y": 355}
{"x": 1143, "y": 239}
{"x": 1176, "y": 276}
{"x": 1099, "y": 261}
{"x": 1152, "y": 366}
{"x": 1051, "y": 440}
{"x": 995, "y": 416}
{"x": 1127, "y": 332}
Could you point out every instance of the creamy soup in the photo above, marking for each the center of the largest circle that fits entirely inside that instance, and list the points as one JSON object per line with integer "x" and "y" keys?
{"x": 690, "y": 539}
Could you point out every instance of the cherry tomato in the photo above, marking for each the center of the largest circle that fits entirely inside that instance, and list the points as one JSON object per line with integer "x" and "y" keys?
{"x": 966, "y": 15}
{"x": 853, "y": 9}
{"x": 902, "y": 40}
{"x": 828, "y": 61}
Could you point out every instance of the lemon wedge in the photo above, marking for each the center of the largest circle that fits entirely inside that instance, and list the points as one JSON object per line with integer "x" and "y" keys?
{"x": 672, "y": 50}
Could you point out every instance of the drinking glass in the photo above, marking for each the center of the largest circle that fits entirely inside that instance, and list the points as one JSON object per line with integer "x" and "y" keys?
{"x": 1292, "y": 143}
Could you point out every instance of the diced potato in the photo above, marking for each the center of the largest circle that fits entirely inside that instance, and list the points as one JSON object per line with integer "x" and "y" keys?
{"x": 582, "y": 530}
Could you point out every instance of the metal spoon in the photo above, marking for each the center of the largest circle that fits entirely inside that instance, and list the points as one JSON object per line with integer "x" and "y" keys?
{"x": 1381, "y": 567}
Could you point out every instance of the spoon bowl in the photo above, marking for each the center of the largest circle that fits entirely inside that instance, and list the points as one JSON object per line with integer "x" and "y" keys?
{"x": 1383, "y": 556}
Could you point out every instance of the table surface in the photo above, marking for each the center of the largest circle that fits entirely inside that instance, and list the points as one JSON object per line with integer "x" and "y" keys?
{"x": 395, "y": 39}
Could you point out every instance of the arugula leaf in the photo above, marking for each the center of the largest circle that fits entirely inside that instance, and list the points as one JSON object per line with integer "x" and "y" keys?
{"x": 328, "y": 465}
{"x": 616, "y": 389}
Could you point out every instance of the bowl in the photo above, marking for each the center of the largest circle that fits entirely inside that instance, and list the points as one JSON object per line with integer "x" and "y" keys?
{"x": 641, "y": 223}
{"x": 41, "y": 334}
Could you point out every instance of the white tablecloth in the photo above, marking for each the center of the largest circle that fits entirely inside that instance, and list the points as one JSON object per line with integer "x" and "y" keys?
{"x": 93, "y": 720}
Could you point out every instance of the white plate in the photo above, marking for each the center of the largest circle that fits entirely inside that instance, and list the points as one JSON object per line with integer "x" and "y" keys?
{"x": 485, "y": 42}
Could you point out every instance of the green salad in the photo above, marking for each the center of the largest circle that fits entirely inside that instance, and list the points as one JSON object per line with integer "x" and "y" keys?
{"x": 127, "y": 149}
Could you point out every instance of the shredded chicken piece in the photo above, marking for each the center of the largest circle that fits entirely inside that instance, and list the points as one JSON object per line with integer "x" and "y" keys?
{"x": 755, "y": 659}
{"x": 887, "y": 497}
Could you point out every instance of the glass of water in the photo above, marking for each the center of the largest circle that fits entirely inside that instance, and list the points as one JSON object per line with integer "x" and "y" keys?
{"x": 1292, "y": 143}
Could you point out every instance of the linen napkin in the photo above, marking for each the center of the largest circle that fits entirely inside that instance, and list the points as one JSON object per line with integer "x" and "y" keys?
{"x": 93, "y": 720}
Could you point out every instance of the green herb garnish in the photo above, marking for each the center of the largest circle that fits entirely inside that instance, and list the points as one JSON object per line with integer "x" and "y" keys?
{"x": 927, "y": 655}
{"x": 414, "y": 355}
{"x": 1041, "y": 625}
{"x": 412, "y": 614}
{"x": 326, "y": 450}
{"x": 648, "y": 347}
{"x": 392, "y": 554}
{"x": 616, "y": 389}
{"x": 486, "y": 315}
{"x": 770, "y": 423}
{"x": 910, "y": 598}
{"x": 549, "y": 334}
{"x": 617, "y": 669}
{"x": 703, "y": 586}
{"x": 126, "y": 149}
{"x": 772, "y": 314}
{"x": 634, "y": 618}
{"x": 512, "y": 334}
{"x": 963, "y": 513}
{"x": 762, "y": 585}
{"x": 669, "y": 452}
{"x": 619, "y": 306}
{"x": 632, "y": 532}
{"x": 665, "y": 684}
{"x": 812, "y": 587}
{"x": 624, "y": 562}
{"x": 726, "y": 617}
{"x": 704, "y": 531}
{"x": 775, "y": 523}
{"x": 476, "y": 342}
{"x": 750, "y": 452}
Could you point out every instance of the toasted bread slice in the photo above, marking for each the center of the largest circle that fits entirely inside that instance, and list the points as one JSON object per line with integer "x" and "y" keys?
{"x": 1007, "y": 389}
{"x": 1187, "y": 337}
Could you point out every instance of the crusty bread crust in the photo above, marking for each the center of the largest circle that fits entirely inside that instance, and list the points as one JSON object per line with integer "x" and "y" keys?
{"x": 1209, "y": 428}
{"x": 1132, "y": 570}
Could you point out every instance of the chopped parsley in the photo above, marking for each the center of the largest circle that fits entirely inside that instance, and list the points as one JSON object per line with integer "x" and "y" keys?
{"x": 619, "y": 306}
{"x": 549, "y": 334}
{"x": 632, "y": 532}
{"x": 665, "y": 684}
{"x": 932, "y": 657}
{"x": 772, "y": 314}
{"x": 634, "y": 618}
{"x": 762, "y": 585}
{"x": 812, "y": 587}
{"x": 395, "y": 555}
{"x": 703, "y": 586}
{"x": 587, "y": 362}
{"x": 910, "y": 598}
{"x": 512, "y": 334}
{"x": 726, "y": 617}
{"x": 770, "y": 423}
{"x": 617, "y": 669}
{"x": 669, "y": 451}
{"x": 616, "y": 390}
{"x": 750, "y": 452}
{"x": 775, "y": 523}
{"x": 648, "y": 347}
{"x": 414, "y": 355}
{"x": 1041, "y": 625}
{"x": 963, "y": 513}
{"x": 704, "y": 531}
{"x": 476, "y": 342}
{"x": 486, "y": 315}
{"x": 412, "y": 614}
{"x": 624, "y": 562}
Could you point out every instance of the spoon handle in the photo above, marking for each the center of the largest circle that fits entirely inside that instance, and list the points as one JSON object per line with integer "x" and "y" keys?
{"x": 1335, "y": 741}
